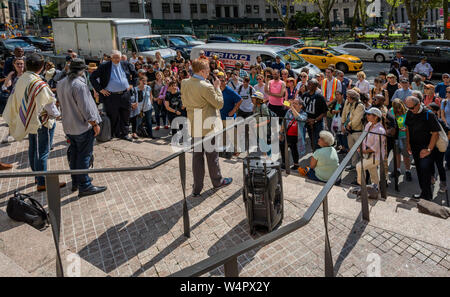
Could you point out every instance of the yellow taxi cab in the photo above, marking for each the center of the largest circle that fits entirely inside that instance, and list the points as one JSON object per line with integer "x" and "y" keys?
{"x": 323, "y": 57}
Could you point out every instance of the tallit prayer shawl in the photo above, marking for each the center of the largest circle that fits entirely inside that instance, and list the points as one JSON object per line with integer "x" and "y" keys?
{"x": 24, "y": 113}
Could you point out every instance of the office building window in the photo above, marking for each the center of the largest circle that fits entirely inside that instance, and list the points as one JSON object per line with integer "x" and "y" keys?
{"x": 335, "y": 15}
{"x": 248, "y": 9}
{"x": 267, "y": 8}
{"x": 105, "y": 6}
{"x": 346, "y": 14}
{"x": 227, "y": 11}
{"x": 194, "y": 8}
{"x": 177, "y": 8}
{"x": 134, "y": 7}
{"x": 274, "y": 10}
{"x": 218, "y": 11}
{"x": 236, "y": 11}
{"x": 292, "y": 9}
{"x": 256, "y": 9}
{"x": 166, "y": 7}
{"x": 203, "y": 8}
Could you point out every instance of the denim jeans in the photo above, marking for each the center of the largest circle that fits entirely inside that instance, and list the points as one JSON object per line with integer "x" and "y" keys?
{"x": 39, "y": 150}
{"x": 81, "y": 148}
{"x": 424, "y": 170}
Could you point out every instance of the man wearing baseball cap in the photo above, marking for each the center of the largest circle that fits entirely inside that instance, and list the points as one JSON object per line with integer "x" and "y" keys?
{"x": 80, "y": 119}
{"x": 442, "y": 86}
{"x": 404, "y": 92}
{"x": 424, "y": 67}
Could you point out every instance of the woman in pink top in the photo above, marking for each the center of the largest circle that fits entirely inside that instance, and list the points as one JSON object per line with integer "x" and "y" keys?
{"x": 275, "y": 91}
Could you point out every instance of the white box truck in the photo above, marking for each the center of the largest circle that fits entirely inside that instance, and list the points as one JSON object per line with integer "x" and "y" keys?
{"x": 90, "y": 38}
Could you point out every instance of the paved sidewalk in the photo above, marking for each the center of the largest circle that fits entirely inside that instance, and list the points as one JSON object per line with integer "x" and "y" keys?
{"x": 136, "y": 228}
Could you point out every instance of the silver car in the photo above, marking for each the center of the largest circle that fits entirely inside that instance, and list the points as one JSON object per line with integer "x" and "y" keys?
{"x": 367, "y": 53}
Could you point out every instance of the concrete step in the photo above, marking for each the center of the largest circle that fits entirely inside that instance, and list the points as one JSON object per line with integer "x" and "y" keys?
{"x": 394, "y": 214}
{"x": 8, "y": 268}
{"x": 34, "y": 253}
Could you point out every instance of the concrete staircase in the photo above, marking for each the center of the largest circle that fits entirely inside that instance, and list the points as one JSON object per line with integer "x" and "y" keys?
{"x": 27, "y": 252}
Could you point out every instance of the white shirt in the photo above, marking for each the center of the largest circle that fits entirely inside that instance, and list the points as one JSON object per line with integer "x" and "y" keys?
{"x": 134, "y": 61}
{"x": 234, "y": 85}
{"x": 247, "y": 104}
{"x": 423, "y": 68}
{"x": 363, "y": 86}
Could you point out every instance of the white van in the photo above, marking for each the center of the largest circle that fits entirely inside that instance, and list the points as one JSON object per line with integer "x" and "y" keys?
{"x": 230, "y": 53}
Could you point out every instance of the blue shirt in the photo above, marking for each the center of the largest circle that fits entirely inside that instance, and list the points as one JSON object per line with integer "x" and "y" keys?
{"x": 230, "y": 99}
{"x": 118, "y": 81}
{"x": 344, "y": 86}
{"x": 441, "y": 90}
{"x": 280, "y": 66}
{"x": 402, "y": 94}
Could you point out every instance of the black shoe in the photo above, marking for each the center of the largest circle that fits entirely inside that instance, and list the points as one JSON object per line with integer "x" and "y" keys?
{"x": 195, "y": 194}
{"x": 408, "y": 176}
{"x": 295, "y": 167}
{"x": 74, "y": 188}
{"x": 418, "y": 196}
{"x": 127, "y": 138}
{"x": 92, "y": 191}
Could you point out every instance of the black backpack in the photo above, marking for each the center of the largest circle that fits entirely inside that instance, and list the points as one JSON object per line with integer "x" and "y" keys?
{"x": 30, "y": 212}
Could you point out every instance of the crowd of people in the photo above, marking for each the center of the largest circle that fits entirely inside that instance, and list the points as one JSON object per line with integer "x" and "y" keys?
{"x": 331, "y": 109}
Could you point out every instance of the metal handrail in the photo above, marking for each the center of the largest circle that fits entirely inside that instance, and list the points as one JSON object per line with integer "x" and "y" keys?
{"x": 228, "y": 258}
{"x": 54, "y": 195}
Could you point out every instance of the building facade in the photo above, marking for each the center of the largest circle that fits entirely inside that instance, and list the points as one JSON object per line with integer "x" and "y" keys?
{"x": 252, "y": 13}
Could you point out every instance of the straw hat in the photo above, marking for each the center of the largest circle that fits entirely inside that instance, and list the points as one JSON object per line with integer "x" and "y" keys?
{"x": 92, "y": 66}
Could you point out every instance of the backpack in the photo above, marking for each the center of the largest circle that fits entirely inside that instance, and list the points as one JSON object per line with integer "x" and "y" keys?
{"x": 442, "y": 142}
{"x": 250, "y": 91}
{"x": 105, "y": 134}
{"x": 30, "y": 212}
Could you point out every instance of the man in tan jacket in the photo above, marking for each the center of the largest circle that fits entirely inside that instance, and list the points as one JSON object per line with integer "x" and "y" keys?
{"x": 352, "y": 116}
{"x": 203, "y": 102}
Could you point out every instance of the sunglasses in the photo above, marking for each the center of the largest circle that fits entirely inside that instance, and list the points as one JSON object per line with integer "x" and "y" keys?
{"x": 412, "y": 108}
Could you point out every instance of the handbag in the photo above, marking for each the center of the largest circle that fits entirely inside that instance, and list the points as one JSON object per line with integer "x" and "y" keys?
{"x": 32, "y": 212}
{"x": 442, "y": 142}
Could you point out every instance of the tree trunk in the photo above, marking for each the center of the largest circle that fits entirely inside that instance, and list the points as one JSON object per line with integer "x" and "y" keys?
{"x": 446, "y": 30}
{"x": 391, "y": 17}
{"x": 355, "y": 16}
{"x": 329, "y": 28}
{"x": 413, "y": 30}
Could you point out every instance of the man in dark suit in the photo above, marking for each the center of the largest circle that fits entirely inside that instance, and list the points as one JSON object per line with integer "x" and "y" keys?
{"x": 402, "y": 62}
{"x": 117, "y": 79}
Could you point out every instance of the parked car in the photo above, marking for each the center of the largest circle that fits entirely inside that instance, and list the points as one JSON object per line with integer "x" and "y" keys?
{"x": 40, "y": 43}
{"x": 294, "y": 42}
{"x": 178, "y": 44}
{"x": 189, "y": 39}
{"x": 323, "y": 57}
{"x": 436, "y": 51}
{"x": 367, "y": 53}
{"x": 221, "y": 39}
{"x": 7, "y": 47}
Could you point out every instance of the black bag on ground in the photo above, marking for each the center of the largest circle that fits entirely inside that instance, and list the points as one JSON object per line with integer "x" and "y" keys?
{"x": 105, "y": 129}
{"x": 263, "y": 193}
{"x": 30, "y": 212}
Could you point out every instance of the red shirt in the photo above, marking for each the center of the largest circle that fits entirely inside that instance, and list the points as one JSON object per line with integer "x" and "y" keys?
{"x": 293, "y": 128}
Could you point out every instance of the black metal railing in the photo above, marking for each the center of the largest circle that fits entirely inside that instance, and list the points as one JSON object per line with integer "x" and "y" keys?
{"x": 54, "y": 195}
{"x": 228, "y": 258}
